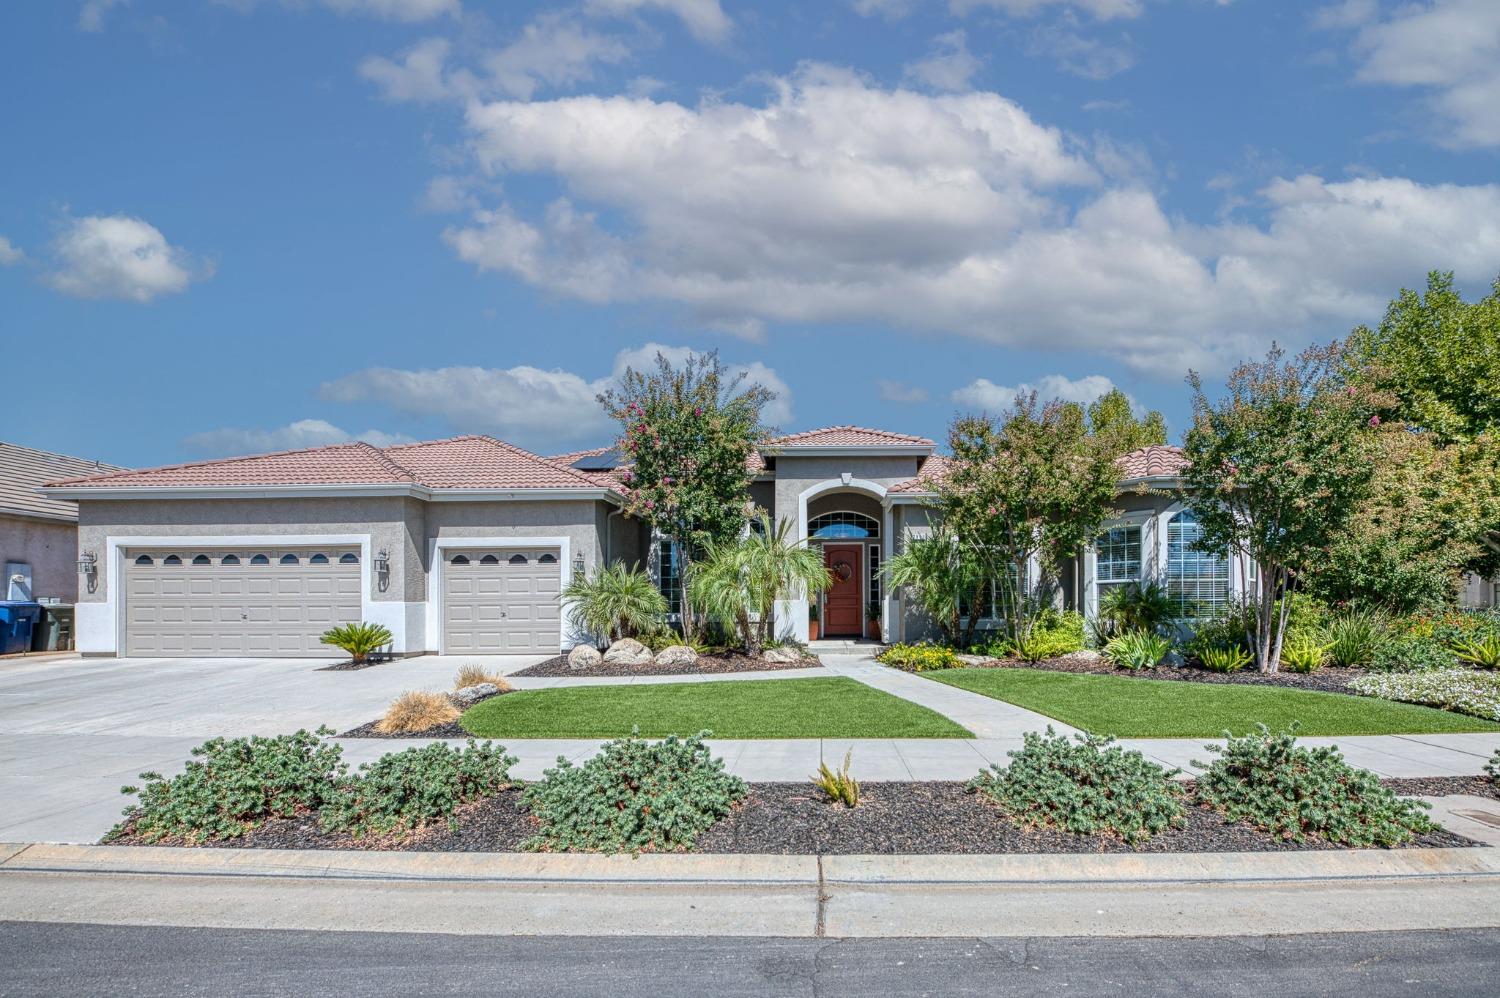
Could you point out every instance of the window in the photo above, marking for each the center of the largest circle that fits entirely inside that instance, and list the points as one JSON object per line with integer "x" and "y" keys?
{"x": 229, "y": 559}
{"x": 318, "y": 559}
{"x": 290, "y": 559}
{"x": 843, "y": 524}
{"x": 489, "y": 559}
{"x": 996, "y": 597}
{"x": 348, "y": 559}
{"x": 547, "y": 559}
{"x": 518, "y": 559}
{"x": 171, "y": 559}
{"x": 144, "y": 559}
{"x": 1197, "y": 580}
{"x": 460, "y": 559}
{"x": 202, "y": 559}
{"x": 1117, "y": 555}
{"x": 260, "y": 559}
{"x": 874, "y": 596}
{"x": 669, "y": 575}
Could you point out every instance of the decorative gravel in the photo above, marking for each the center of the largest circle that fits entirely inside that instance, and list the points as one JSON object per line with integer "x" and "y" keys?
{"x": 1329, "y": 679}
{"x": 449, "y": 730}
{"x": 713, "y": 663}
{"x": 1444, "y": 786}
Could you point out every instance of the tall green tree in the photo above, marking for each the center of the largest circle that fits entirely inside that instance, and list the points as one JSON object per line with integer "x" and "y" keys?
{"x": 1280, "y": 465}
{"x": 1112, "y": 419}
{"x": 687, "y": 434}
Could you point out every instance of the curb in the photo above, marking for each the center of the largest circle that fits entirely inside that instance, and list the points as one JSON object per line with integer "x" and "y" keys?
{"x": 756, "y": 870}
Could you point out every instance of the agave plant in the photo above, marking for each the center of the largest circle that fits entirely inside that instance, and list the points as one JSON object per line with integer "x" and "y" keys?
{"x": 617, "y": 601}
{"x": 359, "y": 640}
{"x": 1137, "y": 650}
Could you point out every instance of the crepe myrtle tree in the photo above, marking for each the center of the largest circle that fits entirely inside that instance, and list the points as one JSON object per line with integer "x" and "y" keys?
{"x": 1033, "y": 484}
{"x": 687, "y": 434}
{"x": 1280, "y": 464}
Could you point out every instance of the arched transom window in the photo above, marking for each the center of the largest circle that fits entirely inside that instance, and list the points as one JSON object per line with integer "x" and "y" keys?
{"x": 842, "y": 524}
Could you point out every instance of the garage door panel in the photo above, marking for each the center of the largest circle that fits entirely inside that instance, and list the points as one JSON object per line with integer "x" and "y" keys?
{"x": 227, "y": 605}
{"x": 501, "y": 602}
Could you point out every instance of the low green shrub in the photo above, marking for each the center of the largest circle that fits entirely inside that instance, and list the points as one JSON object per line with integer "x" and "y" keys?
{"x": 1084, "y": 785}
{"x": 1353, "y": 638}
{"x": 1053, "y": 635}
{"x": 405, "y": 791}
{"x": 840, "y": 786}
{"x": 1461, "y": 690}
{"x": 1231, "y": 659}
{"x": 1137, "y": 650}
{"x": 359, "y": 640}
{"x": 919, "y": 657}
{"x": 1483, "y": 651}
{"x": 1456, "y": 627}
{"x": 1493, "y": 767}
{"x": 233, "y": 785}
{"x": 1410, "y": 653}
{"x": 1224, "y": 628}
{"x": 1133, "y": 607}
{"x": 1297, "y": 793}
{"x": 633, "y": 796}
{"x": 1303, "y": 653}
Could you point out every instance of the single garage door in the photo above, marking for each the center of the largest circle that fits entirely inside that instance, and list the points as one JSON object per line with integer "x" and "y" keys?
{"x": 501, "y": 602}
{"x": 241, "y": 602}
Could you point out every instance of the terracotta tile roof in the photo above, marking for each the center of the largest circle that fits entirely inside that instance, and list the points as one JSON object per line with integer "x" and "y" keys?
{"x": 933, "y": 470}
{"x": 754, "y": 462}
{"x": 1156, "y": 461}
{"x": 848, "y": 436}
{"x": 481, "y": 462}
{"x": 23, "y": 469}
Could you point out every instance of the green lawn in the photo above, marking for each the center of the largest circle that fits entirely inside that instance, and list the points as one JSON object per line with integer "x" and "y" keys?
{"x": 761, "y": 708}
{"x": 1143, "y": 708}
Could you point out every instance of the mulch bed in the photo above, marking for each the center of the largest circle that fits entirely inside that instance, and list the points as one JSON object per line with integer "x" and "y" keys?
{"x": 449, "y": 730}
{"x": 895, "y": 818}
{"x": 710, "y": 664}
{"x": 1444, "y": 786}
{"x": 1329, "y": 679}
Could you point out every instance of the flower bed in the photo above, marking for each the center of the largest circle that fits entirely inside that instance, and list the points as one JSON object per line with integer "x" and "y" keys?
{"x": 1462, "y": 690}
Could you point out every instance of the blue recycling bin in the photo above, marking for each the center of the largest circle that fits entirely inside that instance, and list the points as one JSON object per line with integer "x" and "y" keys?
{"x": 17, "y": 621}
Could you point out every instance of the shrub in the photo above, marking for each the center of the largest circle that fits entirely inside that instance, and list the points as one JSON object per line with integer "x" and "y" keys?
{"x": 1231, "y": 659}
{"x": 474, "y": 675}
{"x": 1409, "y": 653}
{"x": 1133, "y": 606}
{"x": 840, "y": 787}
{"x": 1493, "y": 767}
{"x": 1083, "y": 785}
{"x": 1137, "y": 650}
{"x": 1353, "y": 638}
{"x": 919, "y": 657}
{"x": 1483, "y": 651}
{"x": 1224, "y": 627}
{"x": 405, "y": 791}
{"x": 359, "y": 640}
{"x": 232, "y": 785}
{"x": 1054, "y": 634}
{"x": 1460, "y": 626}
{"x": 1296, "y": 793}
{"x": 633, "y": 796}
{"x": 1461, "y": 690}
{"x": 417, "y": 710}
{"x": 617, "y": 601}
{"x": 1303, "y": 653}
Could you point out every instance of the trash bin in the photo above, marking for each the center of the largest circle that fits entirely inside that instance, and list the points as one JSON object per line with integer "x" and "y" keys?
{"x": 17, "y": 620}
{"x": 55, "y": 632}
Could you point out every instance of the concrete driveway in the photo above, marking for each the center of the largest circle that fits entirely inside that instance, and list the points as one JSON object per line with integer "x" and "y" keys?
{"x": 73, "y": 730}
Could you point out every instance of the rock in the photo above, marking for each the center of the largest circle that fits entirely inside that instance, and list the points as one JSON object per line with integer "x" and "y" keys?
{"x": 627, "y": 651}
{"x": 676, "y": 655}
{"x": 1173, "y": 659}
{"x": 973, "y": 659}
{"x": 1085, "y": 655}
{"x": 584, "y": 656}
{"x": 470, "y": 695}
{"x": 782, "y": 655}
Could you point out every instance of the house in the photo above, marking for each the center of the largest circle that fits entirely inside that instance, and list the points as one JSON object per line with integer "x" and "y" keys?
{"x": 462, "y": 546}
{"x": 38, "y": 533}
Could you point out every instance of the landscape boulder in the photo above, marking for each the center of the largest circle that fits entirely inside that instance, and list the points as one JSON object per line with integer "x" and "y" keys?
{"x": 583, "y": 657}
{"x": 627, "y": 651}
{"x": 677, "y": 655}
{"x": 782, "y": 655}
{"x": 470, "y": 695}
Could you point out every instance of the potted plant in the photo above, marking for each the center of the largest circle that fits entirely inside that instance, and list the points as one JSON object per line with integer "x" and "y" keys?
{"x": 872, "y": 620}
{"x": 812, "y": 622}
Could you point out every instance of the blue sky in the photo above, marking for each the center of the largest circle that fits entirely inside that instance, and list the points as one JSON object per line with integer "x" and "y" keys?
{"x": 254, "y": 224}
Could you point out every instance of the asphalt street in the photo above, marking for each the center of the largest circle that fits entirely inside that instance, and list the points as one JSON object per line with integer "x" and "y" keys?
{"x": 76, "y": 959}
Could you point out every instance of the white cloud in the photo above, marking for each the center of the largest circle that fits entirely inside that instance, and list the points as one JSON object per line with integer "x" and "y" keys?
{"x": 891, "y": 10}
{"x": 1448, "y": 48}
{"x": 117, "y": 256}
{"x": 1103, "y": 10}
{"x": 554, "y": 50}
{"x": 836, "y": 201}
{"x": 704, "y": 19}
{"x": 417, "y": 77}
{"x": 1080, "y": 54}
{"x": 900, "y": 392}
{"x": 10, "y": 253}
{"x": 948, "y": 66}
{"x": 302, "y": 433}
{"x": 91, "y": 14}
{"x": 984, "y": 395}
{"x": 530, "y": 406}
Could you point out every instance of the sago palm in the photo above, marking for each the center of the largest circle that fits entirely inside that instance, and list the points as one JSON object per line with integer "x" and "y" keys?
{"x": 359, "y": 640}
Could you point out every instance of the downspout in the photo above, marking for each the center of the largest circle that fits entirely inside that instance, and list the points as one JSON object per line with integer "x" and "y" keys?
{"x": 609, "y": 532}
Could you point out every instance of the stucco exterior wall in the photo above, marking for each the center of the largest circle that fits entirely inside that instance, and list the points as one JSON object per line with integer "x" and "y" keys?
{"x": 50, "y": 547}
{"x": 581, "y": 521}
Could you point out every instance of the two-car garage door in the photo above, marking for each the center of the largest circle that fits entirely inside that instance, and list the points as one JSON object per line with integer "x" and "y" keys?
{"x": 238, "y": 602}
{"x": 501, "y": 602}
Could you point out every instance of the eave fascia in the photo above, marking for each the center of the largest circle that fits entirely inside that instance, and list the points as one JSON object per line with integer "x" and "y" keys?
{"x": 893, "y": 450}
{"x": 29, "y": 514}
{"x": 78, "y": 493}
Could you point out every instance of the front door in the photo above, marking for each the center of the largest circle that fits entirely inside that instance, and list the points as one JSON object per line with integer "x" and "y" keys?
{"x": 843, "y": 607}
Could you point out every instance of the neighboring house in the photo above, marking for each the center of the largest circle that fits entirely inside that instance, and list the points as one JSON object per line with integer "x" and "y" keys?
{"x": 462, "y": 546}
{"x": 38, "y": 533}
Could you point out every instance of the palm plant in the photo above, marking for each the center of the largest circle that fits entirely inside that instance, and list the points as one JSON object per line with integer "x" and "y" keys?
{"x": 617, "y": 601}
{"x": 359, "y": 640}
{"x": 937, "y": 573}
{"x": 1134, "y": 606}
{"x": 741, "y": 583}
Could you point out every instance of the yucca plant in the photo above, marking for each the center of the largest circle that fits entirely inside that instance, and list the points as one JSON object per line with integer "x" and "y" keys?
{"x": 840, "y": 787}
{"x": 1137, "y": 650}
{"x": 1230, "y": 658}
{"x": 617, "y": 601}
{"x": 1482, "y": 650}
{"x": 1303, "y": 653}
{"x": 359, "y": 640}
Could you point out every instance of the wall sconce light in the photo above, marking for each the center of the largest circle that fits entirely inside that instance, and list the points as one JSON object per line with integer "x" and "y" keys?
{"x": 578, "y": 566}
{"x": 88, "y": 567}
{"x": 383, "y": 562}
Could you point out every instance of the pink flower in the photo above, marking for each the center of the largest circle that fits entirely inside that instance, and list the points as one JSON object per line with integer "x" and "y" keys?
{"x": 698, "y": 411}
{"x": 993, "y": 511}
{"x": 1374, "y": 420}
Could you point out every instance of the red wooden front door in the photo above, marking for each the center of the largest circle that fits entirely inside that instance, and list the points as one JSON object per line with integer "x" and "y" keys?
{"x": 843, "y": 607}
